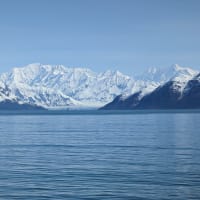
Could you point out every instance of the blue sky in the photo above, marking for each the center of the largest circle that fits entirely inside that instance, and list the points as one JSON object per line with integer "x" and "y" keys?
{"x": 129, "y": 35}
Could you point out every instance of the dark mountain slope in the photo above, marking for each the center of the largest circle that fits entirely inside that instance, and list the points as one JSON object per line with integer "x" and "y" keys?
{"x": 12, "y": 105}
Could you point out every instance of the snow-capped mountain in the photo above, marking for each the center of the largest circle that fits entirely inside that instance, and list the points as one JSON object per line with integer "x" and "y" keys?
{"x": 62, "y": 87}
{"x": 177, "y": 92}
{"x": 162, "y": 75}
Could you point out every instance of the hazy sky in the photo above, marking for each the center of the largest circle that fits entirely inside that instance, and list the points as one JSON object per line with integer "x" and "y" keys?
{"x": 128, "y": 35}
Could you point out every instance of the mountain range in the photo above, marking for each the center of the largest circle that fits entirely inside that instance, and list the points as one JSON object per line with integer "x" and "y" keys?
{"x": 181, "y": 91}
{"x": 40, "y": 86}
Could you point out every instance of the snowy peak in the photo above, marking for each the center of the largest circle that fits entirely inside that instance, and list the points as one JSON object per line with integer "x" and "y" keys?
{"x": 162, "y": 75}
{"x": 37, "y": 73}
{"x": 181, "y": 92}
{"x": 57, "y": 86}
{"x": 181, "y": 77}
{"x": 54, "y": 86}
{"x": 183, "y": 73}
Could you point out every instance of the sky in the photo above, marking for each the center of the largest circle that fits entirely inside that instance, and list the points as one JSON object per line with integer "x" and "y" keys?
{"x": 128, "y": 35}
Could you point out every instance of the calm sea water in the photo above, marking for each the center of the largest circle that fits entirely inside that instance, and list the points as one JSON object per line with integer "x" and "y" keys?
{"x": 95, "y": 155}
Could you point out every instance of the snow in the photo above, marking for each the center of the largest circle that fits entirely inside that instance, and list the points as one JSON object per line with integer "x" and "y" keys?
{"x": 181, "y": 78}
{"x": 58, "y": 87}
{"x": 162, "y": 75}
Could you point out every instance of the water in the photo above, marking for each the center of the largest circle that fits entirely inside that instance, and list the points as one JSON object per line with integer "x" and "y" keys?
{"x": 100, "y": 155}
